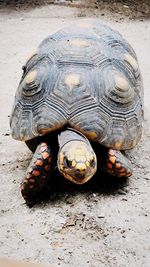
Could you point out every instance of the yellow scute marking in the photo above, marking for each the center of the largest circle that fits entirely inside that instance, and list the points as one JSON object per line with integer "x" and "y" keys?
{"x": 118, "y": 145}
{"x": 31, "y": 76}
{"x": 131, "y": 61}
{"x": 91, "y": 135}
{"x": 79, "y": 43}
{"x": 122, "y": 83}
{"x": 72, "y": 80}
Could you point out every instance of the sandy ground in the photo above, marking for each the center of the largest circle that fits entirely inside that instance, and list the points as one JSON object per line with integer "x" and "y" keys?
{"x": 104, "y": 223}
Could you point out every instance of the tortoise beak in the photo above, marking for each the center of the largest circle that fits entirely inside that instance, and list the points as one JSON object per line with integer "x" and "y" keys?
{"x": 78, "y": 175}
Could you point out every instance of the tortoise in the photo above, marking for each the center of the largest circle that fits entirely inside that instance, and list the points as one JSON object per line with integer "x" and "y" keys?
{"x": 80, "y": 96}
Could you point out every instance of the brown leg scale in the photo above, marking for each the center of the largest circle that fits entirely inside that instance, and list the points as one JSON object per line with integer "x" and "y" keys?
{"x": 117, "y": 164}
{"x": 38, "y": 172}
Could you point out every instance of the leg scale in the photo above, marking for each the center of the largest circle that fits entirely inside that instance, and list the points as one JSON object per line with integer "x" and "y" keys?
{"x": 117, "y": 164}
{"x": 38, "y": 172}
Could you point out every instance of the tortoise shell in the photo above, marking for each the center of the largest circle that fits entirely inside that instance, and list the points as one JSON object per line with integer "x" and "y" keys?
{"x": 87, "y": 77}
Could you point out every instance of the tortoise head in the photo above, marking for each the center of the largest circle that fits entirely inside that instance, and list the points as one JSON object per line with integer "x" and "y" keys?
{"x": 77, "y": 161}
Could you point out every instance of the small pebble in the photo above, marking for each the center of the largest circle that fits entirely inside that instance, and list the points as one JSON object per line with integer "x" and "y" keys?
{"x": 42, "y": 233}
{"x": 101, "y": 216}
{"x": 124, "y": 199}
{"x": 125, "y": 6}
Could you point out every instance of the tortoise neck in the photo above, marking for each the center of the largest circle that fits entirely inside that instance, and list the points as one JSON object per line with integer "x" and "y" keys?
{"x": 70, "y": 135}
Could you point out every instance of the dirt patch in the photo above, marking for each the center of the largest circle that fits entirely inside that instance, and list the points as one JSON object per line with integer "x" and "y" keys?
{"x": 133, "y": 9}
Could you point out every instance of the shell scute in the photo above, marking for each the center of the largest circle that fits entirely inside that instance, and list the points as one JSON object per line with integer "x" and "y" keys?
{"x": 86, "y": 76}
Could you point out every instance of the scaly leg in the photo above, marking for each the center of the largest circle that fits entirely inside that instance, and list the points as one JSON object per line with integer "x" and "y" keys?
{"x": 116, "y": 164}
{"x": 38, "y": 172}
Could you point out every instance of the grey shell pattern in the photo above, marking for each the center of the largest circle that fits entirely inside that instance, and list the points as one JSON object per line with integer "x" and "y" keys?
{"x": 86, "y": 77}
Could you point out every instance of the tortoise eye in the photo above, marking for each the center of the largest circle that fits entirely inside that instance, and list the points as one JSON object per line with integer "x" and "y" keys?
{"x": 92, "y": 162}
{"x": 67, "y": 163}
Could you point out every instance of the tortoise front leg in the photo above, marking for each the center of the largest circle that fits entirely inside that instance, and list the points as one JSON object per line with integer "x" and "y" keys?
{"x": 116, "y": 164}
{"x": 38, "y": 172}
